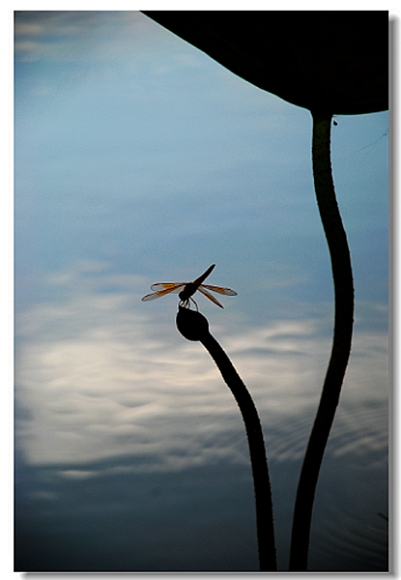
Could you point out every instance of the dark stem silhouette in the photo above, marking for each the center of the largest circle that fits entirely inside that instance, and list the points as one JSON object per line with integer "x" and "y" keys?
{"x": 194, "y": 326}
{"x": 341, "y": 347}
{"x": 336, "y": 62}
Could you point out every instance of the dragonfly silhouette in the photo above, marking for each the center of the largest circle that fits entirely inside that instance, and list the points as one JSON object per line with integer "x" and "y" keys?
{"x": 187, "y": 290}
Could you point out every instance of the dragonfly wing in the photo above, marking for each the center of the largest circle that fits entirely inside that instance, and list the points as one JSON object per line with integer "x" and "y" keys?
{"x": 170, "y": 286}
{"x": 150, "y": 296}
{"x": 163, "y": 292}
{"x": 203, "y": 290}
{"x": 220, "y": 290}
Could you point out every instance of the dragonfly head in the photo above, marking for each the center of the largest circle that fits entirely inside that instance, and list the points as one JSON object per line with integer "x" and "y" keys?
{"x": 188, "y": 290}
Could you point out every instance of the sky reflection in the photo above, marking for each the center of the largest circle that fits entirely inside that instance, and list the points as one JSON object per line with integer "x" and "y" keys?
{"x": 88, "y": 394}
{"x": 92, "y": 407}
{"x": 139, "y": 160}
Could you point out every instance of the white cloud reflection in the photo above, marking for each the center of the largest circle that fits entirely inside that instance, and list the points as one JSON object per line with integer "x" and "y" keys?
{"x": 101, "y": 375}
{"x": 68, "y": 36}
{"x": 134, "y": 455}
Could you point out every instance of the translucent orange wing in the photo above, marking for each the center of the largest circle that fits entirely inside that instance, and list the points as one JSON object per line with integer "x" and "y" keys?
{"x": 220, "y": 290}
{"x": 171, "y": 286}
{"x": 163, "y": 289}
{"x": 203, "y": 290}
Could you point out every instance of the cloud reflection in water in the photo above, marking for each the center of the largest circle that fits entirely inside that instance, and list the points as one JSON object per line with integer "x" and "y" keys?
{"x": 108, "y": 392}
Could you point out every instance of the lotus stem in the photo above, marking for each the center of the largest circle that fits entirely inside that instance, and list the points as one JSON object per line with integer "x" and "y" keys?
{"x": 194, "y": 326}
{"x": 341, "y": 346}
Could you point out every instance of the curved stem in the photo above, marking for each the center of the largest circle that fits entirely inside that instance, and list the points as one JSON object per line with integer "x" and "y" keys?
{"x": 341, "y": 348}
{"x": 264, "y": 508}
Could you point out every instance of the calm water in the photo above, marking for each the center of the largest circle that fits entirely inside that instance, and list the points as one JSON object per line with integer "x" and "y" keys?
{"x": 140, "y": 160}
{"x": 135, "y": 457}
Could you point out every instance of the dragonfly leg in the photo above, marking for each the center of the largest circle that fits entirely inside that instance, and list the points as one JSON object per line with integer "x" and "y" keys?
{"x": 187, "y": 303}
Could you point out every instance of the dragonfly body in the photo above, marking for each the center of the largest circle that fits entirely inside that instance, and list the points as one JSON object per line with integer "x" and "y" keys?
{"x": 190, "y": 288}
{"x": 187, "y": 289}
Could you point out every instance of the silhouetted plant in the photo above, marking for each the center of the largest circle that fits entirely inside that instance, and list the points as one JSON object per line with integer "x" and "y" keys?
{"x": 330, "y": 63}
{"x": 194, "y": 326}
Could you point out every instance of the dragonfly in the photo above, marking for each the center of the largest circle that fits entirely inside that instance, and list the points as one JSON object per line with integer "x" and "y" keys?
{"x": 187, "y": 289}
